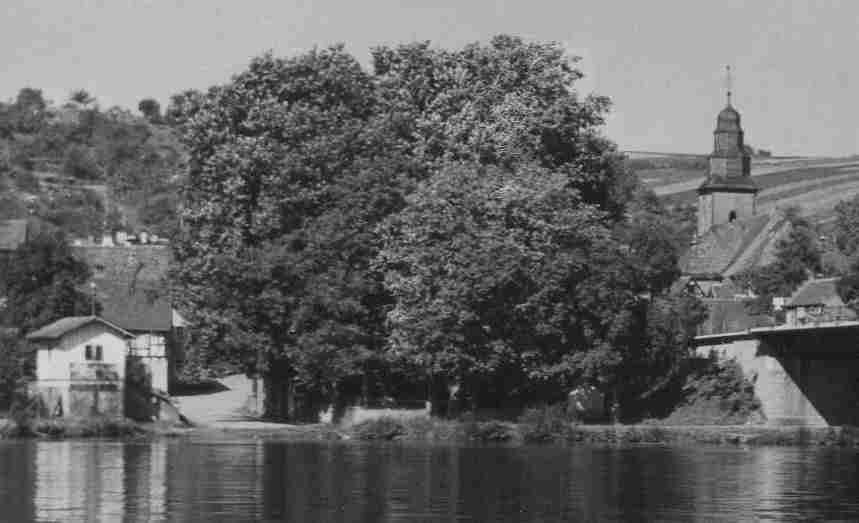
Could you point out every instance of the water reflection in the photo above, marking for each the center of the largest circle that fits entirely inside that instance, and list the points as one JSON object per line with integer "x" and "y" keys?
{"x": 182, "y": 480}
{"x": 79, "y": 481}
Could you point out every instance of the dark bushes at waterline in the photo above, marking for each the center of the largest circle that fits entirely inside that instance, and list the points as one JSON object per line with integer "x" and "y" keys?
{"x": 545, "y": 426}
{"x": 71, "y": 428}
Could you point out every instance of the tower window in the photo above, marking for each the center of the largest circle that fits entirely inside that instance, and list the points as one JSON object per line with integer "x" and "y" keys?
{"x": 732, "y": 216}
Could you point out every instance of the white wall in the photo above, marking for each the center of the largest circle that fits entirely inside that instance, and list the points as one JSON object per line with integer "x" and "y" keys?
{"x": 53, "y": 362}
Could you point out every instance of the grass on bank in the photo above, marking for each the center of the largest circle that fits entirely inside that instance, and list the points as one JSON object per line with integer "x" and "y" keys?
{"x": 549, "y": 426}
{"x": 97, "y": 427}
{"x": 540, "y": 425}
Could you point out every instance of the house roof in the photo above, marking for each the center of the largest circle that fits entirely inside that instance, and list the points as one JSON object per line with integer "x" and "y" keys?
{"x": 816, "y": 292}
{"x": 138, "y": 308}
{"x": 61, "y": 327}
{"x": 139, "y": 263}
{"x": 13, "y": 233}
{"x": 730, "y": 316}
{"x": 130, "y": 284}
{"x": 729, "y": 248}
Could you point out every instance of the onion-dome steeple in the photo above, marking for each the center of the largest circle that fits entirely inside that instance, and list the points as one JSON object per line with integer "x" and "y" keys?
{"x": 730, "y": 163}
{"x": 729, "y": 192}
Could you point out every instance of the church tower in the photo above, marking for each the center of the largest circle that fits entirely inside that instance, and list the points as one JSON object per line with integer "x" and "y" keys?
{"x": 729, "y": 192}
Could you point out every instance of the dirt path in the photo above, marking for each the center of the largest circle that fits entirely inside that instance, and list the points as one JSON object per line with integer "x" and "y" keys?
{"x": 224, "y": 408}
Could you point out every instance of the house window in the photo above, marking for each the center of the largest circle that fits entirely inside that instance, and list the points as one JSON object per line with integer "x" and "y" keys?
{"x": 732, "y": 216}
{"x": 93, "y": 353}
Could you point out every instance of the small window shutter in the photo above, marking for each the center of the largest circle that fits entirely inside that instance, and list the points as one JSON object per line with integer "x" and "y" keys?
{"x": 98, "y": 352}
{"x": 88, "y": 352}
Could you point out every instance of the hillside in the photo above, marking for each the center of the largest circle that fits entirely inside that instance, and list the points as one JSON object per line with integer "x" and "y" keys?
{"x": 85, "y": 170}
{"x": 815, "y": 185}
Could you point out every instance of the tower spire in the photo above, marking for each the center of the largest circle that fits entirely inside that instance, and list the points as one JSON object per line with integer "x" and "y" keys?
{"x": 729, "y": 83}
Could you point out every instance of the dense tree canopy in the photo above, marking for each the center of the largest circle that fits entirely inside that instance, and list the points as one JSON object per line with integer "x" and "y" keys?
{"x": 506, "y": 275}
{"x": 42, "y": 283}
{"x": 457, "y": 210}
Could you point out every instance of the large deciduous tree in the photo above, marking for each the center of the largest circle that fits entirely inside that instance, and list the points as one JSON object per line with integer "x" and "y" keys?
{"x": 503, "y": 103}
{"x": 504, "y": 279}
{"x": 303, "y": 170}
{"x": 279, "y": 213}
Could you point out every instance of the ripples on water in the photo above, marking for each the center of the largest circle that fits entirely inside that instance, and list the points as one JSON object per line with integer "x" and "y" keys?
{"x": 182, "y": 480}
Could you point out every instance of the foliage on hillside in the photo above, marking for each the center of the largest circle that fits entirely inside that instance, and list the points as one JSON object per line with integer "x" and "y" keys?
{"x": 452, "y": 213}
{"x": 41, "y": 283}
{"x": 797, "y": 258}
{"x": 64, "y": 163}
{"x": 847, "y": 239}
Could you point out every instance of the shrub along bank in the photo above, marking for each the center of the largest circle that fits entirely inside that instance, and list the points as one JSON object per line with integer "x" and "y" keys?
{"x": 543, "y": 426}
{"x": 72, "y": 428}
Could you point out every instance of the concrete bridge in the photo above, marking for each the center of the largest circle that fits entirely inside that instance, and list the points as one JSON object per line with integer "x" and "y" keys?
{"x": 802, "y": 374}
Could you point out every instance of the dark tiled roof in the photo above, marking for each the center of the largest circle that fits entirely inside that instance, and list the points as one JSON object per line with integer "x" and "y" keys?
{"x": 143, "y": 263}
{"x": 816, "y": 292}
{"x": 130, "y": 285}
{"x": 731, "y": 247}
{"x": 57, "y": 329}
{"x": 142, "y": 308}
{"x": 13, "y": 233}
{"x": 730, "y": 316}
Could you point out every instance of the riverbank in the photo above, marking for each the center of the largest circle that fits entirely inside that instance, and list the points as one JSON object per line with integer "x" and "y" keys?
{"x": 450, "y": 432}
{"x": 432, "y": 430}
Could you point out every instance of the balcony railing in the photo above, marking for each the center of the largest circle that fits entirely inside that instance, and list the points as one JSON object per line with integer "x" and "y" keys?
{"x": 93, "y": 371}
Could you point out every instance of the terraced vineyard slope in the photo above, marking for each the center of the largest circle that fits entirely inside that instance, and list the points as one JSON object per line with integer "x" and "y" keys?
{"x": 814, "y": 185}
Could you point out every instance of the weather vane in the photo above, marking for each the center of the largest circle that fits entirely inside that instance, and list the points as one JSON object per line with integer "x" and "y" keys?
{"x": 729, "y": 82}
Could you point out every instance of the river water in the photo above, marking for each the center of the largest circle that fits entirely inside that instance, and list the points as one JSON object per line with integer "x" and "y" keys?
{"x": 256, "y": 480}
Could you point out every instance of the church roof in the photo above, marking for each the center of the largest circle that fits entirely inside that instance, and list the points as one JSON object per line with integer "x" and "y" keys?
{"x": 729, "y": 248}
{"x": 728, "y": 119}
{"x": 729, "y": 315}
{"x": 728, "y": 184}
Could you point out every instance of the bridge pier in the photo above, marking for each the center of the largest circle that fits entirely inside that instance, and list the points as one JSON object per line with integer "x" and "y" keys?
{"x": 802, "y": 376}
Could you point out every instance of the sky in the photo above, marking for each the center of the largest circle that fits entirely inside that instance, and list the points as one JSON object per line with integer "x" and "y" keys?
{"x": 796, "y": 79}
